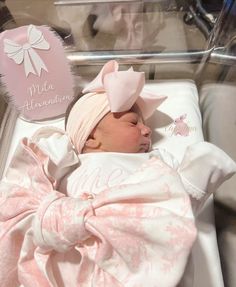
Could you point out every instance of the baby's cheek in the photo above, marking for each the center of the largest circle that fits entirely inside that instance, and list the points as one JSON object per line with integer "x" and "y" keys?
{"x": 133, "y": 140}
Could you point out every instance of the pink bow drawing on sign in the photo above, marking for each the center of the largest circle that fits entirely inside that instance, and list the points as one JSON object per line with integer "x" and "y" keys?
{"x": 124, "y": 89}
{"x": 181, "y": 128}
{"x": 26, "y": 53}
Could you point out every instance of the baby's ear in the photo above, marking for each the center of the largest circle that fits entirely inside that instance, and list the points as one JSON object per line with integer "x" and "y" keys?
{"x": 92, "y": 143}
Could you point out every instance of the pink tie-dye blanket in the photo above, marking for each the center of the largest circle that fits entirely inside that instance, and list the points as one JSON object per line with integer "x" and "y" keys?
{"x": 137, "y": 234}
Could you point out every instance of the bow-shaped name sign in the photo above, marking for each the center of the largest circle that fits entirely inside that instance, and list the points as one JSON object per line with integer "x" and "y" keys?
{"x": 35, "y": 72}
{"x": 26, "y": 53}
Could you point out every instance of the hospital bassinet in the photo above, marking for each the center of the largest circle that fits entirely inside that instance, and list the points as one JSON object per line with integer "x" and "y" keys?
{"x": 181, "y": 48}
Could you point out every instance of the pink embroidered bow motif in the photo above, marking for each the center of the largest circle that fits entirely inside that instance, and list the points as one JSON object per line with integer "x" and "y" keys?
{"x": 124, "y": 89}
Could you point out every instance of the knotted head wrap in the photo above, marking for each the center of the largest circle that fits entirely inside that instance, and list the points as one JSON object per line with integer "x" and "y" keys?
{"x": 111, "y": 91}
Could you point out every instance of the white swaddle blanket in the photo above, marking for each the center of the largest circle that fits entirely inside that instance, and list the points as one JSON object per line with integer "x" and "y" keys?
{"x": 122, "y": 236}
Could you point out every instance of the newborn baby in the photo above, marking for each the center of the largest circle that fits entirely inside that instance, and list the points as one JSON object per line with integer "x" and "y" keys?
{"x": 107, "y": 129}
{"x": 123, "y": 217}
{"x": 127, "y": 204}
{"x": 111, "y": 145}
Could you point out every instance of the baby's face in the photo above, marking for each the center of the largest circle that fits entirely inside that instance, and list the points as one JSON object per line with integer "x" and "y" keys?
{"x": 122, "y": 132}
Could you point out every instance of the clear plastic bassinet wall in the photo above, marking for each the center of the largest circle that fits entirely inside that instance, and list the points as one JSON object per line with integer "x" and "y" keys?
{"x": 167, "y": 39}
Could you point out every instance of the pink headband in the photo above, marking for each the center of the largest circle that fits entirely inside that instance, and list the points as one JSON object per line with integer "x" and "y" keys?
{"x": 111, "y": 90}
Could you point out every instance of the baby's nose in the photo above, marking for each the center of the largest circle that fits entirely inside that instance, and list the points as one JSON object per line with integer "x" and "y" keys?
{"x": 146, "y": 131}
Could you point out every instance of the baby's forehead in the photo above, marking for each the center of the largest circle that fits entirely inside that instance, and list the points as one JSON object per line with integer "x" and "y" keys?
{"x": 132, "y": 112}
{"x": 120, "y": 116}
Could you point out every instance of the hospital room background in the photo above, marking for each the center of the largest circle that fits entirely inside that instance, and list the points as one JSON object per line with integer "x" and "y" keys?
{"x": 184, "y": 47}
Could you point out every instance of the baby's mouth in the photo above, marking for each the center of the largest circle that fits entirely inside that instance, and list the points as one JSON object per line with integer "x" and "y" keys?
{"x": 145, "y": 147}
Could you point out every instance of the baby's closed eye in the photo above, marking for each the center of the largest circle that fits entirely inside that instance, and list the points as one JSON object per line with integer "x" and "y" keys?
{"x": 132, "y": 118}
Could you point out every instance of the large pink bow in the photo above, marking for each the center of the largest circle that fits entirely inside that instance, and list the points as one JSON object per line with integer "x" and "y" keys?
{"x": 124, "y": 89}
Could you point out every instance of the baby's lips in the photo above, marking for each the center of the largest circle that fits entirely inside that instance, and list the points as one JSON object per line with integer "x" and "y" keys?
{"x": 145, "y": 147}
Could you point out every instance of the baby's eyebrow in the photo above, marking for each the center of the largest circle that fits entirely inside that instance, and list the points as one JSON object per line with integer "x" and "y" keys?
{"x": 132, "y": 115}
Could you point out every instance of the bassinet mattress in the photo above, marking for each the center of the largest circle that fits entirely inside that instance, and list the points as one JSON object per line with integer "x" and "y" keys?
{"x": 176, "y": 124}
